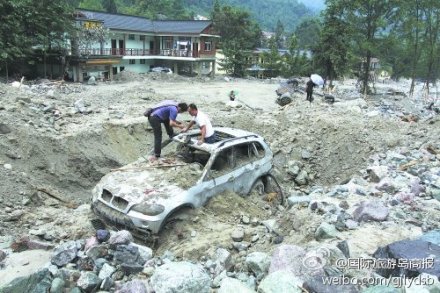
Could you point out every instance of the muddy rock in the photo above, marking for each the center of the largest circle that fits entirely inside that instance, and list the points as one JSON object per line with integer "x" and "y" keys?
{"x": 37, "y": 282}
{"x": 65, "y": 253}
{"x": 88, "y": 281}
{"x": 135, "y": 286}
{"x": 280, "y": 281}
{"x": 370, "y": 211}
{"x": 120, "y": 237}
{"x": 287, "y": 257}
{"x": 233, "y": 285}
{"x": 180, "y": 276}
{"x": 325, "y": 231}
{"x": 258, "y": 263}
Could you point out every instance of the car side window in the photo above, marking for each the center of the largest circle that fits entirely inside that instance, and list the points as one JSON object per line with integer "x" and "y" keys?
{"x": 223, "y": 163}
{"x": 258, "y": 149}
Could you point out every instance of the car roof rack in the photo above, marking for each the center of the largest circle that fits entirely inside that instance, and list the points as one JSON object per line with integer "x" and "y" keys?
{"x": 222, "y": 143}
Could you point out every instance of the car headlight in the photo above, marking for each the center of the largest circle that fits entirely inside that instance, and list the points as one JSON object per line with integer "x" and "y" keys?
{"x": 148, "y": 209}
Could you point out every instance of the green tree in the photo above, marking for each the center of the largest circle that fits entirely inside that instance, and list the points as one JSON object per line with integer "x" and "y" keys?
{"x": 110, "y": 6}
{"x": 239, "y": 35}
{"x": 331, "y": 54}
{"x": 28, "y": 26}
{"x": 272, "y": 59}
{"x": 368, "y": 20}
{"x": 308, "y": 33}
{"x": 279, "y": 35}
{"x": 13, "y": 41}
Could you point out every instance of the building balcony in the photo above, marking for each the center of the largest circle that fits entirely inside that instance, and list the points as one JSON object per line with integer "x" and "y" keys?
{"x": 120, "y": 52}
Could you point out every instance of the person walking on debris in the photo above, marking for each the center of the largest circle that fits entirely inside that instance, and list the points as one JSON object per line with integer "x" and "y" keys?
{"x": 309, "y": 90}
{"x": 202, "y": 120}
{"x": 166, "y": 113}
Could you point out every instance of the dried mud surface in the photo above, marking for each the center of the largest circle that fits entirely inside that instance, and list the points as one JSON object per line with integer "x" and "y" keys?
{"x": 51, "y": 155}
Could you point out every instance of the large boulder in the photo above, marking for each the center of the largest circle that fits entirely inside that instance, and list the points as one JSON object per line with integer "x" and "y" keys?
{"x": 288, "y": 257}
{"x": 180, "y": 277}
{"x": 410, "y": 258}
{"x": 65, "y": 253}
{"x": 40, "y": 281}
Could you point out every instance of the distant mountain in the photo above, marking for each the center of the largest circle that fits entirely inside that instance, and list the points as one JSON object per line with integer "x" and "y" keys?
{"x": 265, "y": 12}
{"x": 316, "y": 5}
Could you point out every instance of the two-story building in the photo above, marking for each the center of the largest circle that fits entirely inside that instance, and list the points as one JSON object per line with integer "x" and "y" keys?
{"x": 138, "y": 44}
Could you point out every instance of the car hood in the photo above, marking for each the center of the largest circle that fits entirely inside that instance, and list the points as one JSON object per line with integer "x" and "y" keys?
{"x": 144, "y": 182}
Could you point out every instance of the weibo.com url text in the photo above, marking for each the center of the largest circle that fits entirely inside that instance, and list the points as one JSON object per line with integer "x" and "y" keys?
{"x": 398, "y": 282}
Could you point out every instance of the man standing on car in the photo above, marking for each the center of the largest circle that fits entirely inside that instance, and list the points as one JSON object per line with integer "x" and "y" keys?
{"x": 202, "y": 120}
{"x": 166, "y": 114}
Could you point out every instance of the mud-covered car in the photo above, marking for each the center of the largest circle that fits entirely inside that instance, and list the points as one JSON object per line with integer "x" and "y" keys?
{"x": 143, "y": 196}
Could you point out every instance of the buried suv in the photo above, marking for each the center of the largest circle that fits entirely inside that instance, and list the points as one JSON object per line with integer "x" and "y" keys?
{"x": 143, "y": 196}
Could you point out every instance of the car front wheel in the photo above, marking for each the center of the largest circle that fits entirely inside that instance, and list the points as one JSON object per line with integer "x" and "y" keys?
{"x": 268, "y": 190}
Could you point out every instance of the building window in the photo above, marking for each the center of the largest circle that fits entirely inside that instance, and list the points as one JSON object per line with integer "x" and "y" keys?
{"x": 208, "y": 46}
{"x": 142, "y": 38}
{"x": 131, "y": 37}
{"x": 132, "y": 61}
{"x": 142, "y": 61}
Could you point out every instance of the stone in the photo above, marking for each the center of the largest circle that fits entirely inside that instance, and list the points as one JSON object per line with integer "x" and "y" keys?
{"x": 280, "y": 281}
{"x": 128, "y": 254}
{"x": 92, "y": 81}
{"x": 64, "y": 253}
{"x": 305, "y": 154}
{"x": 40, "y": 281}
{"x": 223, "y": 258}
{"x": 287, "y": 257}
{"x": 57, "y": 286}
{"x": 377, "y": 173}
{"x": 228, "y": 285}
{"x": 130, "y": 269}
{"x": 299, "y": 200}
{"x": 102, "y": 235}
{"x": 325, "y": 231}
{"x": 258, "y": 263}
{"x": 106, "y": 271}
{"x": 134, "y": 286}
{"x": 7, "y": 166}
{"x": 302, "y": 178}
{"x": 410, "y": 250}
{"x": 370, "y": 211}
{"x": 107, "y": 284}
{"x": 181, "y": 277}
{"x": 88, "y": 281}
{"x": 121, "y": 237}
{"x": 98, "y": 251}
{"x": 343, "y": 247}
{"x": 237, "y": 235}
{"x": 431, "y": 236}
{"x": 2, "y": 255}
{"x": 145, "y": 252}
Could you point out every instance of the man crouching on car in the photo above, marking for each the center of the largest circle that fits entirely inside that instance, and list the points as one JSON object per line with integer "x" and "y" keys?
{"x": 202, "y": 120}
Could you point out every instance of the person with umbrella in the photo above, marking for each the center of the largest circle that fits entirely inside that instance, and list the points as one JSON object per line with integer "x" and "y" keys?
{"x": 309, "y": 90}
{"x": 314, "y": 80}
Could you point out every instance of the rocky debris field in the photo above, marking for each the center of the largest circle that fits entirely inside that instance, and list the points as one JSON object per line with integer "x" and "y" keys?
{"x": 361, "y": 178}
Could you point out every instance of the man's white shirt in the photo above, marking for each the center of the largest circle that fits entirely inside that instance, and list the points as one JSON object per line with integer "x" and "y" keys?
{"x": 203, "y": 119}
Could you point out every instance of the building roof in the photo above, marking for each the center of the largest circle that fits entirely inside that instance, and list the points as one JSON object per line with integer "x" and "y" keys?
{"x": 142, "y": 24}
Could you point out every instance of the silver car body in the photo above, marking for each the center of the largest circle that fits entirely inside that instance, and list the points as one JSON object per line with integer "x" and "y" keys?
{"x": 234, "y": 163}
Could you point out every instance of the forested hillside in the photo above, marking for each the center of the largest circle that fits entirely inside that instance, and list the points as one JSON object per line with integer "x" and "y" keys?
{"x": 266, "y": 13}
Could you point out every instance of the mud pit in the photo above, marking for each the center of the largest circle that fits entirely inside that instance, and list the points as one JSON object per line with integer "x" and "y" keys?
{"x": 52, "y": 155}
